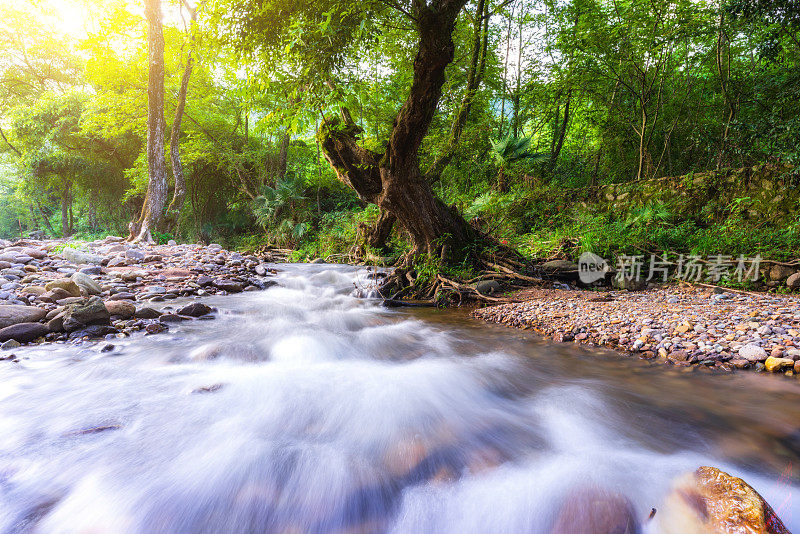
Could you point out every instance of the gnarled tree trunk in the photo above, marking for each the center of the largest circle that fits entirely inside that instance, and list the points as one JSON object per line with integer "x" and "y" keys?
{"x": 156, "y": 199}
{"x": 393, "y": 180}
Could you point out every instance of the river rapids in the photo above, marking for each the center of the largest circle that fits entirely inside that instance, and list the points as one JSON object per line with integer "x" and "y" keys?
{"x": 308, "y": 408}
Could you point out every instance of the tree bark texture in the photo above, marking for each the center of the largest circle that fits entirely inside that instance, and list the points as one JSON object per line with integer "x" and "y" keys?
{"x": 393, "y": 180}
{"x": 156, "y": 199}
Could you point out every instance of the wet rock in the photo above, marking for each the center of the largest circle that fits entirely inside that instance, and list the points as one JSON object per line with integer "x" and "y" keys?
{"x": 776, "y": 365}
{"x": 208, "y": 389}
{"x": 85, "y": 282}
{"x": 93, "y": 331}
{"x": 156, "y": 328}
{"x": 79, "y": 315}
{"x": 24, "y": 332}
{"x": 234, "y": 351}
{"x": 147, "y": 313}
{"x": 8, "y": 345}
{"x": 11, "y": 314}
{"x": 204, "y": 281}
{"x": 596, "y": 511}
{"x": 195, "y": 309}
{"x": 228, "y": 285}
{"x": 171, "y": 318}
{"x": 122, "y": 308}
{"x": 710, "y": 501}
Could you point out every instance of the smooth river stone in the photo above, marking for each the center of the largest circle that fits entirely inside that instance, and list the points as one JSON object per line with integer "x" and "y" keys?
{"x": 14, "y": 314}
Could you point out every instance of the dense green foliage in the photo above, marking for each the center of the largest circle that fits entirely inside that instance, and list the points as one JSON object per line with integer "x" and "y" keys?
{"x": 572, "y": 95}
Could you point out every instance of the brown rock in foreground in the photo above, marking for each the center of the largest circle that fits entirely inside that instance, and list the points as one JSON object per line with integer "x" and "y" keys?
{"x": 596, "y": 511}
{"x": 710, "y": 501}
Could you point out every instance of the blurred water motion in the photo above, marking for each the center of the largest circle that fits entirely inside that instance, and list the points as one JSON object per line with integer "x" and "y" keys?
{"x": 306, "y": 409}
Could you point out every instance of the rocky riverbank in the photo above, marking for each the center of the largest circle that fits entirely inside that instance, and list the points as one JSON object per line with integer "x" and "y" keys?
{"x": 57, "y": 291}
{"x": 680, "y": 325}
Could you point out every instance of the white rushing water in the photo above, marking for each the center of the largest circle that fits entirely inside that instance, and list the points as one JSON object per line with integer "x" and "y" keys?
{"x": 305, "y": 409}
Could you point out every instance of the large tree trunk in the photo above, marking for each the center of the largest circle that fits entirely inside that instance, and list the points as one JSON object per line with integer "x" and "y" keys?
{"x": 156, "y": 199}
{"x": 179, "y": 195}
{"x": 393, "y": 180}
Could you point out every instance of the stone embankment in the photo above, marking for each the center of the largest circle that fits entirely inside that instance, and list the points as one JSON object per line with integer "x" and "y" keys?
{"x": 55, "y": 291}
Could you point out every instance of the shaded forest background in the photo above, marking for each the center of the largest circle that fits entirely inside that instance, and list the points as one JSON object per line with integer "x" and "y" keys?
{"x": 544, "y": 102}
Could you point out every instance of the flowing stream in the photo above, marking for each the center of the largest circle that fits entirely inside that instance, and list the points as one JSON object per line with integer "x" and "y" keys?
{"x": 303, "y": 408}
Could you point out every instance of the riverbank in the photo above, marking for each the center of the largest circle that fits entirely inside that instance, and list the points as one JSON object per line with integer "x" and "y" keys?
{"x": 56, "y": 290}
{"x": 681, "y": 325}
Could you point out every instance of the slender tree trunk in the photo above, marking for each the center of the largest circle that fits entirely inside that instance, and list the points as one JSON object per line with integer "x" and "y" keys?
{"x": 66, "y": 200}
{"x": 477, "y": 68}
{"x": 156, "y": 199}
{"x": 283, "y": 155}
{"x": 641, "y": 142}
{"x": 505, "y": 73}
{"x": 518, "y": 89}
{"x": 179, "y": 195}
{"x": 723, "y": 80}
{"x": 393, "y": 180}
{"x": 45, "y": 218}
{"x": 561, "y": 133}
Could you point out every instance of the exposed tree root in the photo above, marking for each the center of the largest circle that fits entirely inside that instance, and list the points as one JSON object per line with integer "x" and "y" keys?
{"x": 495, "y": 262}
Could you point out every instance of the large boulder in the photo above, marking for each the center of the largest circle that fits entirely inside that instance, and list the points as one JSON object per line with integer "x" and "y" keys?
{"x": 93, "y": 311}
{"x": 710, "y": 501}
{"x": 24, "y": 332}
{"x": 11, "y": 314}
{"x": 87, "y": 283}
{"x": 66, "y": 284}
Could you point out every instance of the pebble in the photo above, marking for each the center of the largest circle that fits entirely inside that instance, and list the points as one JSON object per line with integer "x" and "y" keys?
{"x": 681, "y": 325}
{"x": 40, "y": 281}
